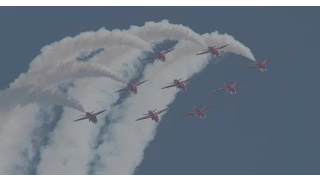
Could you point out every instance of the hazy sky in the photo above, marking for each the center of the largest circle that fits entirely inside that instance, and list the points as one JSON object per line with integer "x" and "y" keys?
{"x": 269, "y": 127}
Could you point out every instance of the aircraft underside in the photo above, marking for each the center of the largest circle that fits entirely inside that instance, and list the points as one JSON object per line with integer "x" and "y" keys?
{"x": 199, "y": 116}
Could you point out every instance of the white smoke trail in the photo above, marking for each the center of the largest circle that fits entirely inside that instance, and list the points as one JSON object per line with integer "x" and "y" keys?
{"x": 16, "y": 123}
{"x": 124, "y": 152}
{"x": 36, "y": 94}
{"x": 14, "y": 136}
{"x": 65, "y": 154}
{"x": 116, "y": 55}
{"x": 63, "y": 157}
{"x": 68, "y": 48}
{"x": 46, "y": 166}
{"x": 47, "y": 59}
{"x": 12, "y": 98}
{"x": 123, "y": 146}
{"x": 94, "y": 66}
{"x": 84, "y": 41}
{"x": 105, "y": 38}
{"x": 66, "y": 71}
{"x": 159, "y": 31}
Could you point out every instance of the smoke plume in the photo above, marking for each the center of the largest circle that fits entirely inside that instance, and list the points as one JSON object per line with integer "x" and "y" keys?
{"x": 159, "y": 31}
{"x": 73, "y": 146}
{"x": 66, "y": 71}
{"x": 123, "y": 146}
{"x": 68, "y": 48}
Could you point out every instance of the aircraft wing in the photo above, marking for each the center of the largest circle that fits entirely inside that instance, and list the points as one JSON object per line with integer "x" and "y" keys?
{"x": 83, "y": 118}
{"x": 254, "y": 66}
{"x": 205, "y": 52}
{"x": 207, "y": 107}
{"x": 99, "y": 112}
{"x": 187, "y": 80}
{"x": 237, "y": 83}
{"x": 121, "y": 89}
{"x": 168, "y": 50}
{"x": 267, "y": 60}
{"x": 161, "y": 111}
{"x": 172, "y": 85}
{"x": 188, "y": 113}
{"x": 223, "y": 46}
{"x": 145, "y": 117}
{"x": 141, "y": 83}
{"x": 220, "y": 89}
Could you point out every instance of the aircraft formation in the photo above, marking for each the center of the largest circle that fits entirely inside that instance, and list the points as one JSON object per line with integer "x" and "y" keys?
{"x": 229, "y": 87}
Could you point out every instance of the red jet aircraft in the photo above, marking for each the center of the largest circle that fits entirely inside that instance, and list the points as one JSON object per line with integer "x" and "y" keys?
{"x": 200, "y": 112}
{"x": 261, "y": 65}
{"x": 213, "y": 50}
{"x": 91, "y": 116}
{"x": 132, "y": 87}
{"x": 179, "y": 84}
{"x": 230, "y": 87}
{"x": 160, "y": 55}
{"x": 153, "y": 115}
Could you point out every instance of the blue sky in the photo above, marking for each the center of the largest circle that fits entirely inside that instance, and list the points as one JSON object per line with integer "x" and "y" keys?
{"x": 269, "y": 127}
